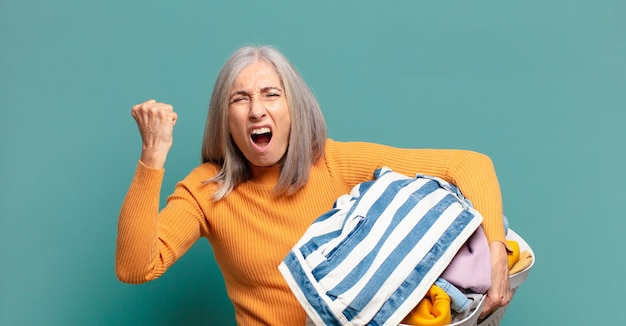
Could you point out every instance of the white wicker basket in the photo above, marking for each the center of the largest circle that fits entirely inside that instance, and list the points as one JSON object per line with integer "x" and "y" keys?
{"x": 516, "y": 280}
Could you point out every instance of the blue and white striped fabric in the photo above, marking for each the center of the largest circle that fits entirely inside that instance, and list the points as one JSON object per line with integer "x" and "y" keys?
{"x": 375, "y": 254}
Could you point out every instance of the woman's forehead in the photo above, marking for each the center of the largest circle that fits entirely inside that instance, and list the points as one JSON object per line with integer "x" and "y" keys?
{"x": 257, "y": 77}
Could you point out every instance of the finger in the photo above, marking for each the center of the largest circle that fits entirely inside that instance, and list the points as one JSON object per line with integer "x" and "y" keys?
{"x": 148, "y": 104}
{"x": 154, "y": 109}
{"x": 158, "y": 107}
{"x": 487, "y": 308}
{"x": 505, "y": 300}
{"x": 496, "y": 297}
{"x": 151, "y": 101}
{"x": 151, "y": 111}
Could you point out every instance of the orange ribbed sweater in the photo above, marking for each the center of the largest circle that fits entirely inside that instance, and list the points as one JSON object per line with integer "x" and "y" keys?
{"x": 251, "y": 230}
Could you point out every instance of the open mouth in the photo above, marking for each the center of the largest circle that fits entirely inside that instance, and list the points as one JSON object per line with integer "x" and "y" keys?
{"x": 261, "y": 136}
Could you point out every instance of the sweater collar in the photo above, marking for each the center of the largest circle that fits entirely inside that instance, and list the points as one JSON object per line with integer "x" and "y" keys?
{"x": 267, "y": 175}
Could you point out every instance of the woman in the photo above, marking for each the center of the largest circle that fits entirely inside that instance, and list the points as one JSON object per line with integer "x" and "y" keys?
{"x": 268, "y": 171}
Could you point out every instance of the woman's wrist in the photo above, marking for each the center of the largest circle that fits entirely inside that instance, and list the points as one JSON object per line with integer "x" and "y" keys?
{"x": 153, "y": 159}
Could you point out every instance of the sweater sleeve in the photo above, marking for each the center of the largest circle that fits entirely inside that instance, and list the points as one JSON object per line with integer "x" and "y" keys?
{"x": 149, "y": 241}
{"x": 471, "y": 171}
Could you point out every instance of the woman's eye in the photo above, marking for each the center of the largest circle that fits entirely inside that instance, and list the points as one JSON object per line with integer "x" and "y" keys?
{"x": 239, "y": 99}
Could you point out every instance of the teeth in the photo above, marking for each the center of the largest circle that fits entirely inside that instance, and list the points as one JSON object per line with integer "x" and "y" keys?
{"x": 260, "y": 131}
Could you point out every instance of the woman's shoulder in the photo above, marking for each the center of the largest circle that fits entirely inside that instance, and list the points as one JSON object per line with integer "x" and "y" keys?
{"x": 357, "y": 151}
{"x": 333, "y": 145}
{"x": 201, "y": 173}
{"x": 352, "y": 161}
{"x": 371, "y": 148}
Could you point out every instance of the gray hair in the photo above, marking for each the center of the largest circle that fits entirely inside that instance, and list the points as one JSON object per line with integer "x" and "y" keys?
{"x": 308, "y": 128}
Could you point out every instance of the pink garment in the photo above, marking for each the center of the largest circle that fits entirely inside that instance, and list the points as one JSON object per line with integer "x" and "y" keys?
{"x": 471, "y": 267}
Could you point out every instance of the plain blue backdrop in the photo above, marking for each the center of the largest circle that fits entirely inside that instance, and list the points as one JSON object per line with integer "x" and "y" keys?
{"x": 538, "y": 86}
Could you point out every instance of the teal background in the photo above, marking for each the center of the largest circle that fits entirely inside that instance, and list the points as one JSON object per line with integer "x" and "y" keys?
{"x": 538, "y": 86}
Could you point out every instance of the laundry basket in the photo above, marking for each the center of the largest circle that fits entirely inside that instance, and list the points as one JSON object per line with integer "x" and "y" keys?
{"x": 516, "y": 280}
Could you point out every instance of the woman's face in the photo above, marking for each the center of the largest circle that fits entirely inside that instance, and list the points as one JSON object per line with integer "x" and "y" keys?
{"x": 258, "y": 114}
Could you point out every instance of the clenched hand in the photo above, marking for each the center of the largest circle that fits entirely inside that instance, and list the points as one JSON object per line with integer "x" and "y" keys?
{"x": 155, "y": 121}
{"x": 499, "y": 294}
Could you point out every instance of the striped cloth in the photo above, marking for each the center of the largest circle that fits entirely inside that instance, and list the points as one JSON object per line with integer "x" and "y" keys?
{"x": 374, "y": 255}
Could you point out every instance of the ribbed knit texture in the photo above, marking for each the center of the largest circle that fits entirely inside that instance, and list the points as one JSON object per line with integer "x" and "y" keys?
{"x": 252, "y": 230}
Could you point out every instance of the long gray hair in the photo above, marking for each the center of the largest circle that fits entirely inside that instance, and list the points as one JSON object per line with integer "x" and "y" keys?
{"x": 308, "y": 128}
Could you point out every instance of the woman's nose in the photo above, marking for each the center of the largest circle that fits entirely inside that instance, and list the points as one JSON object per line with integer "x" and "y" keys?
{"x": 257, "y": 110}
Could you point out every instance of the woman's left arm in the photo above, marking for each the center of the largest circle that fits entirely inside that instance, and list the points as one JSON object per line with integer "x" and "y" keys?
{"x": 475, "y": 175}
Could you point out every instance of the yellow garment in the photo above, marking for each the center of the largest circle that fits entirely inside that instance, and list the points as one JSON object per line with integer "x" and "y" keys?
{"x": 513, "y": 252}
{"x": 251, "y": 230}
{"x": 525, "y": 259}
{"x": 433, "y": 310}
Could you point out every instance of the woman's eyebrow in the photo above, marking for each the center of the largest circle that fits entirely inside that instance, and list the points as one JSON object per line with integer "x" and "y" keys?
{"x": 239, "y": 92}
{"x": 271, "y": 88}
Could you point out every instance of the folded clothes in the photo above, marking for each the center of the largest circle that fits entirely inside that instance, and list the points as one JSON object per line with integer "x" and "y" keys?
{"x": 432, "y": 310}
{"x": 525, "y": 260}
{"x": 375, "y": 255}
{"x": 513, "y": 252}
{"x": 518, "y": 261}
{"x": 473, "y": 256}
{"x": 458, "y": 300}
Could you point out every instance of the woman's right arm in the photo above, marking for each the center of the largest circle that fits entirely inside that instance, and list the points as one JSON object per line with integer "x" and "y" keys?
{"x": 148, "y": 241}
